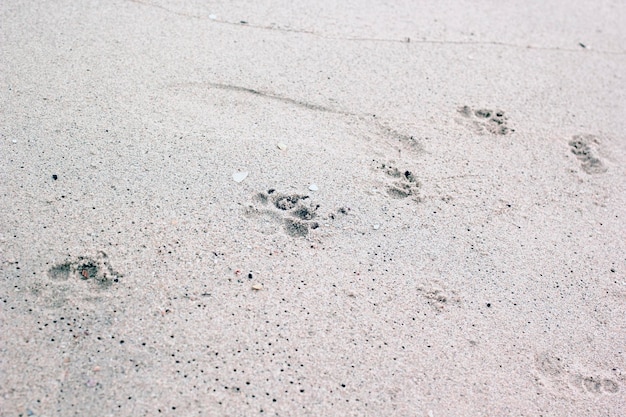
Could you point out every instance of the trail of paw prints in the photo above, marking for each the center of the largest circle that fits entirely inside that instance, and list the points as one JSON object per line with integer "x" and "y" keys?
{"x": 553, "y": 370}
{"x": 485, "y": 120}
{"x": 295, "y": 212}
{"x": 584, "y": 147}
{"x": 401, "y": 183}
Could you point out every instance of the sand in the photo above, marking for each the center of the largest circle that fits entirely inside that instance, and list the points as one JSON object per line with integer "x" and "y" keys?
{"x": 431, "y": 224}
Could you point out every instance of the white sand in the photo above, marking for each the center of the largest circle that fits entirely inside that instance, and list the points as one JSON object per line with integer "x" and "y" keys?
{"x": 463, "y": 254}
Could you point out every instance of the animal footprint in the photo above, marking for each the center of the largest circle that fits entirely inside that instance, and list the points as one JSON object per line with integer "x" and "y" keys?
{"x": 558, "y": 372}
{"x": 550, "y": 365}
{"x": 403, "y": 185}
{"x": 294, "y": 212}
{"x": 92, "y": 270}
{"x": 486, "y": 120}
{"x": 439, "y": 298}
{"x": 583, "y": 147}
{"x": 595, "y": 385}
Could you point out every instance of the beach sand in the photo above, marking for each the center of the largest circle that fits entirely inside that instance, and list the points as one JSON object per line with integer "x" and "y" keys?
{"x": 432, "y": 221}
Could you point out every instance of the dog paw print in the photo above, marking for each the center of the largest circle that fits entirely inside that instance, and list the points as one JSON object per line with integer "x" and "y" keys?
{"x": 486, "y": 120}
{"x": 93, "y": 270}
{"x": 550, "y": 365}
{"x": 597, "y": 385}
{"x": 584, "y": 148}
{"x": 439, "y": 298}
{"x": 553, "y": 369}
{"x": 295, "y": 212}
{"x": 403, "y": 183}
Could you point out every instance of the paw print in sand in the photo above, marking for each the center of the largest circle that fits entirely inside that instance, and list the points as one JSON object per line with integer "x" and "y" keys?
{"x": 486, "y": 120}
{"x": 552, "y": 369}
{"x": 94, "y": 270}
{"x": 402, "y": 184}
{"x": 584, "y": 147}
{"x": 295, "y": 212}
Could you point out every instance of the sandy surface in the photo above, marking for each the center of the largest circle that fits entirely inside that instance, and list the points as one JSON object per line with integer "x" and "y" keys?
{"x": 462, "y": 252}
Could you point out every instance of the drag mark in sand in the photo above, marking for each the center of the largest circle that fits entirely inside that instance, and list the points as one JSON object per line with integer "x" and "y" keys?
{"x": 404, "y": 141}
{"x": 271, "y": 96}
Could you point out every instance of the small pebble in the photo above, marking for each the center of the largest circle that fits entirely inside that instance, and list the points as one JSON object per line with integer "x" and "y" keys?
{"x": 55, "y": 177}
{"x": 240, "y": 176}
{"x": 14, "y": 141}
{"x": 281, "y": 146}
{"x": 313, "y": 187}
{"x": 376, "y": 226}
{"x": 257, "y": 287}
{"x": 212, "y": 16}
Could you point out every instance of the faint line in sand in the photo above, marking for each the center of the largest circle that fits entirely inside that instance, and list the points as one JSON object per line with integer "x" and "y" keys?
{"x": 406, "y": 141}
{"x": 304, "y": 104}
{"x": 406, "y": 40}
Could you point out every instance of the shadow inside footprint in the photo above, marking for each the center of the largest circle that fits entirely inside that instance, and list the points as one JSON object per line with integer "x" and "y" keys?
{"x": 304, "y": 213}
{"x": 592, "y": 385}
{"x": 296, "y": 228}
{"x": 287, "y": 202}
{"x": 60, "y": 272}
{"x": 610, "y": 386}
{"x": 399, "y": 190}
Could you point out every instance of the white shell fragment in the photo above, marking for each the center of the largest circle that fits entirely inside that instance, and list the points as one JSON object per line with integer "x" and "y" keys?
{"x": 313, "y": 187}
{"x": 257, "y": 287}
{"x": 240, "y": 176}
{"x": 281, "y": 146}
